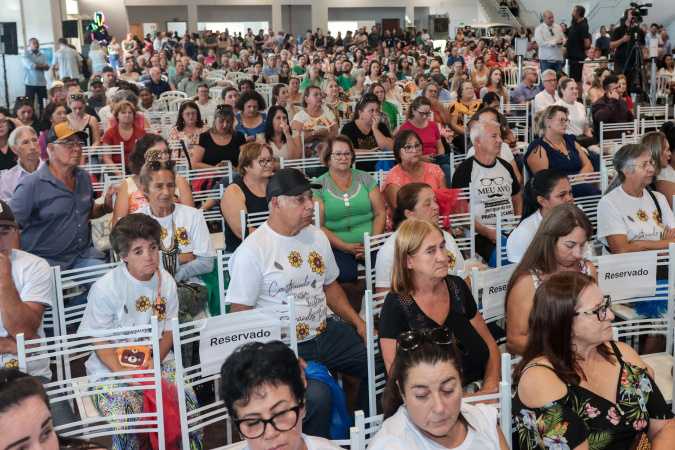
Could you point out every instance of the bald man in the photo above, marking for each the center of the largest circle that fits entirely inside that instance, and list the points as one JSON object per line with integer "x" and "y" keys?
{"x": 550, "y": 38}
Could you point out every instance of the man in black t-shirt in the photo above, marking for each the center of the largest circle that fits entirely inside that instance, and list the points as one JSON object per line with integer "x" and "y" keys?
{"x": 622, "y": 43}
{"x": 578, "y": 40}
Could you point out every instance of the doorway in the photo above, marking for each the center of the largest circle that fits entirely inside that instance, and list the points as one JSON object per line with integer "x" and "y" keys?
{"x": 136, "y": 29}
{"x": 391, "y": 24}
{"x": 179, "y": 27}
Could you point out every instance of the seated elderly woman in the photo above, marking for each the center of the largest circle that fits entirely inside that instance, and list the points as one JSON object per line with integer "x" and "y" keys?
{"x": 557, "y": 150}
{"x": 410, "y": 167}
{"x": 251, "y": 119}
{"x": 422, "y": 401}
{"x": 130, "y": 198}
{"x": 186, "y": 248}
{"x": 557, "y": 246}
{"x": 586, "y": 388}
{"x": 130, "y": 295}
{"x": 221, "y": 144}
{"x": 25, "y": 418}
{"x": 318, "y": 123}
{"x": 350, "y": 204}
{"x": 189, "y": 125}
{"x": 544, "y": 190}
{"x": 423, "y": 296}
{"x": 248, "y": 193}
{"x": 125, "y": 132}
{"x": 264, "y": 391}
{"x": 416, "y": 200}
{"x": 24, "y": 143}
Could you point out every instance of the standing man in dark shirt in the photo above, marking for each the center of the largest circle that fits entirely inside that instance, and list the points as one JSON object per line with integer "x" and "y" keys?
{"x": 623, "y": 41}
{"x": 374, "y": 37}
{"x": 259, "y": 39}
{"x": 578, "y": 40}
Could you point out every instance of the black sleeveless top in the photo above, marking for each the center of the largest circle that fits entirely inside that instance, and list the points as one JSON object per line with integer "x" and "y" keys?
{"x": 8, "y": 160}
{"x": 254, "y": 204}
{"x": 284, "y": 80}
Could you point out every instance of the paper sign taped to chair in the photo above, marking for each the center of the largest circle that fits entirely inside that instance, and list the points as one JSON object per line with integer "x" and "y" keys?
{"x": 494, "y": 290}
{"x": 628, "y": 275}
{"x": 221, "y": 335}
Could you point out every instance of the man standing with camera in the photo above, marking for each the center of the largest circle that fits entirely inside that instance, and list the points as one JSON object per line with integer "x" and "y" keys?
{"x": 624, "y": 40}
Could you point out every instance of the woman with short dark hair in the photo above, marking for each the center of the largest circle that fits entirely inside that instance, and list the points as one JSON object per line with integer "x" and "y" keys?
{"x": 189, "y": 125}
{"x": 221, "y": 143}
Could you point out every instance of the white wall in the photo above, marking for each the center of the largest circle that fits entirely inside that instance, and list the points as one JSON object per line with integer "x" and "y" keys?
{"x": 152, "y": 14}
{"x": 296, "y": 19}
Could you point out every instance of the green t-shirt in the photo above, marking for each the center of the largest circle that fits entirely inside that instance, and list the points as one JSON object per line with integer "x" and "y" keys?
{"x": 392, "y": 111}
{"x": 358, "y": 215}
{"x": 308, "y": 82}
{"x": 299, "y": 70}
{"x": 345, "y": 83}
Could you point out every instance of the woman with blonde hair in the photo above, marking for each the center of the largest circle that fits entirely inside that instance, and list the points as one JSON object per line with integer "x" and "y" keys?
{"x": 423, "y": 296}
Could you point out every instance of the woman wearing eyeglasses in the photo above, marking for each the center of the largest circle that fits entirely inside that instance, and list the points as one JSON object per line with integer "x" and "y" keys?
{"x": 466, "y": 104}
{"x": 220, "y": 144}
{"x": 264, "y": 391}
{"x": 82, "y": 121}
{"x": 255, "y": 165}
{"x": 350, "y": 204}
{"x": 130, "y": 198}
{"x": 422, "y": 401}
{"x": 125, "y": 132}
{"x": 423, "y": 296}
{"x": 556, "y": 149}
{"x": 410, "y": 168}
{"x": 585, "y": 388}
{"x": 557, "y": 246}
{"x": 189, "y": 125}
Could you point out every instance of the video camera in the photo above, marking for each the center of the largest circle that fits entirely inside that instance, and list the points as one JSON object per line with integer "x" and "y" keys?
{"x": 639, "y": 11}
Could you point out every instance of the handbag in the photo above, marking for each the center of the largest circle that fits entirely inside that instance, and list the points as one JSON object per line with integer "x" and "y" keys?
{"x": 641, "y": 442}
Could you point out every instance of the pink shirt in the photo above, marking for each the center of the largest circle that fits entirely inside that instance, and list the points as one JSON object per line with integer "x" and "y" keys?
{"x": 432, "y": 176}
{"x": 429, "y": 135}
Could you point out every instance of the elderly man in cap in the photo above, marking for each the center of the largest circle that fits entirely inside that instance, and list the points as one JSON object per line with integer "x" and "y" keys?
{"x": 289, "y": 256}
{"x": 25, "y": 292}
{"x": 54, "y": 204}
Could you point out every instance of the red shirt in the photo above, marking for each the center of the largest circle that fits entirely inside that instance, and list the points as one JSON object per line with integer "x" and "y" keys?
{"x": 112, "y": 137}
{"x": 429, "y": 135}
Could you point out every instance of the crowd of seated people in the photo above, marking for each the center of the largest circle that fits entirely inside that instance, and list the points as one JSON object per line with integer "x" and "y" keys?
{"x": 256, "y": 102}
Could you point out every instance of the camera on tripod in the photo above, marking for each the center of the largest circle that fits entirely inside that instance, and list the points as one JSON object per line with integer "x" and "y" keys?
{"x": 639, "y": 11}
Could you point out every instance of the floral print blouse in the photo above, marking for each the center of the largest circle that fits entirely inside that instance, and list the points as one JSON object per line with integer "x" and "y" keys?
{"x": 583, "y": 415}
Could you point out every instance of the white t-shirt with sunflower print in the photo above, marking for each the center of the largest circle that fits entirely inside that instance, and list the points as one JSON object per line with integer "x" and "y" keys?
{"x": 268, "y": 267}
{"x": 33, "y": 281}
{"x": 385, "y": 260}
{"x": 193, "y": 233}
{"x": 637, "y": 218}
{"x": 118, "y": 300}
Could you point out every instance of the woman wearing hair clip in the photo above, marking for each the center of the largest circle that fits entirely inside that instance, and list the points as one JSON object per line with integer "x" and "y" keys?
{"x": 82, "y": 121}
{"x": 130, "y": 295}
{"x": 130, "y": 198}
{"x": 424, "y": 296}
{"x": 422, "y": 401}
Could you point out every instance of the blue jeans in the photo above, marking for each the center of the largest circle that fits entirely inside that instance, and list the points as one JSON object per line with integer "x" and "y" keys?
{"x": 40, "y": 92}
{"x": 339, "y": 348}
{"x": 81, "y": 263}
{"x": 557, "y": 66}
{"x": 114, "y": 62}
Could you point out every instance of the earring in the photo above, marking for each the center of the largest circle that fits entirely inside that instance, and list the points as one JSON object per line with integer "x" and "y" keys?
{"x": 549, "y": 126}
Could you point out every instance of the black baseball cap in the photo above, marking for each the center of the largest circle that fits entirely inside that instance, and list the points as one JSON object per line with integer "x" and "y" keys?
{"x": 290, "y": 182}
{"x": 7, "y": 216}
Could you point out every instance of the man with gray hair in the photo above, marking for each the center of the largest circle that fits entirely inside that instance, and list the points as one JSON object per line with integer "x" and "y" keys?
{"x": 495, "y": 186}
{"x": 527, "y": 89}
{"x": 156, "y": 85}
{"x": 549, "y": 37}
{"x": 549, "y": 95}
{"x": 287, "y": 256}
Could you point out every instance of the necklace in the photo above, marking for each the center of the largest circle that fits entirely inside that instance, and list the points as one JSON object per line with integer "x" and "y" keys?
{"x": 345, "y": 196}
{"x": 564, "y": 152}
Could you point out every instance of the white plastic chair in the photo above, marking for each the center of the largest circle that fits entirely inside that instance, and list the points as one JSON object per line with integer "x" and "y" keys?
{"x": 376, "y": 381}
{"x": 651, "y": 117}
{"x": 99, "y": 169}
{"x": 505, "y": 224}
{"x": 624, "y": 128}
{"x": 174, "y": 105}
{"x": 463, "y": 223}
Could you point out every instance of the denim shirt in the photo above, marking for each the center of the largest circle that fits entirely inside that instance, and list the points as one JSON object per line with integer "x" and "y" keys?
{"x": 32, "y": 76}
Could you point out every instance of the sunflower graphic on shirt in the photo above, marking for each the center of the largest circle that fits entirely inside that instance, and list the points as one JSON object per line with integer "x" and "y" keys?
{"x": 164, "y": 234}
{"x": 295, "y": 259}
{"x": 183, "y": 238}
{"x": 451, "y": 260}
{"x": 142, "y": 304}
{"x": 321, "y": 328}
{"x": 657, "y": 218}
{"x": 12, "y": 364}
{"x": 160, "y": 308}
{"x": 642, "y": 216}
{"x": 316, "y": 263}
{"x": 302, "y": 331}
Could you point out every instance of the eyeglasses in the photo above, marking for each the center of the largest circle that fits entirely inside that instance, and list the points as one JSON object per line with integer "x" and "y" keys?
{"x": 548, "y": 81}
{"x": 413, "y": 148}
{"x": 70, "y": 144}
{"x": 410, "y": 340}
{"x": 601, "y": 312}
{"x": 339, "y": 156}
{"x": 158, "y": 165}
{"x": 423, "y": 114}
{"x": 563, "y": 120}
{"x": 281, "y": 421}
{"x": 488, "y": 181}
{"x": 645, "y": 165}
{"x": 266, "y": 162}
